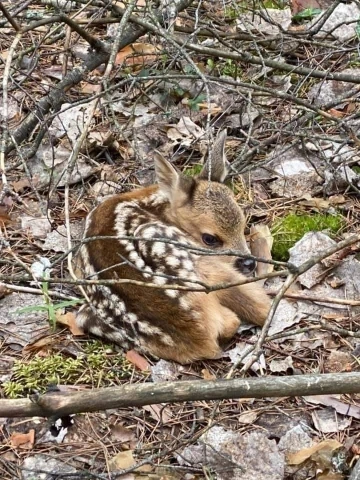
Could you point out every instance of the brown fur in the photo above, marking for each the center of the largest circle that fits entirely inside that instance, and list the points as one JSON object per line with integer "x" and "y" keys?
{"x": 177, "y": 325}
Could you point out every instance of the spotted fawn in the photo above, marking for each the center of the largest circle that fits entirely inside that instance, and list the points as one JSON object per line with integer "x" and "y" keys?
{"x": 154, "y": 229}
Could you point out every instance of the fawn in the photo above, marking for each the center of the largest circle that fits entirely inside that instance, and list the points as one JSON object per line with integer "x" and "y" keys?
{"x": 180, "y": 325}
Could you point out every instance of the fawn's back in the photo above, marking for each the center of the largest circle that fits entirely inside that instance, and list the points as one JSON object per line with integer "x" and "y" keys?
{"x": 154, "y": 229}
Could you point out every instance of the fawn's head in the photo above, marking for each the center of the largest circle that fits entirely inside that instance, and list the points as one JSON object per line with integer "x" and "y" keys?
{"x": 204, "y": 207}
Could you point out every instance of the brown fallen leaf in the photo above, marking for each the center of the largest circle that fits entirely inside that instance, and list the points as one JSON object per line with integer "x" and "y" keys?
{"x": 122, "y": 460}
{"x": 330, "y": 401}
{"x": 69, "y": 320}
{"x": 41, "y": 344}
{"x": 125, "y": 460}
{"x": 207, "y": 375}
{"x": 336, "y": 113}
{"x": 139, "y": 361}
{"x": 23, "y": 440}
{"x": 122, "y": 434}
{"x": 314, "y": 202}
{"x": 160, "y": 413}
{"x": 304, "y": 454}
{"x": 138, "y": 54}
{"x": 4, "y": 290}
{"x": 4, "y": 217}
{"x": 337, "y": 199}
{"x": 247, "y": 418}
{"x": 21, "y": 184}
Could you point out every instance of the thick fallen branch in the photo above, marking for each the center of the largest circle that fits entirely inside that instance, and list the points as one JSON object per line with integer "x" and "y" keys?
{"x": 59, "y": 404}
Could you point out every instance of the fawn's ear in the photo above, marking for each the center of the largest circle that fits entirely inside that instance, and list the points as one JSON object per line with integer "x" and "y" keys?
{"x": 172, "y": 183}
{"x": 219, "y": 168}
{"x": 167, "y": 176}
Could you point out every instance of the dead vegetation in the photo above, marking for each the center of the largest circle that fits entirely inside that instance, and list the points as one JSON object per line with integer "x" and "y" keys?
{"x": 89, "y": 91}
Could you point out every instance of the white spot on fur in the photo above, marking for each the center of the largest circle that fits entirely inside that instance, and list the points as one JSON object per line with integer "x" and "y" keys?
{"x": 187, "y": 264}
{"x": 183, "y": 274}
{"x": 158, "y": 249}
{"x": 147, "y": 269}
{"x": 148, "y": 232}
{"x": 115, "y": 336}
{"x": 95, "y": 330}
{"x": 184, "y": 303}
{"x": 81, "y": 317}
{"x": 105, "y": 290}
{"x": 105, "y": 303}
{"x": 140, "y": 263}
{"x": 171, "y": 232}
{"x": 148, "y": 329}
{"x": 172, "y": 293}
{"x": 133, "y": 256}
{"x": 172, "y": 261}
{"x": 160, "y": 280}
{"x": 131, "y": 317}
{"x": 182, "y": 253}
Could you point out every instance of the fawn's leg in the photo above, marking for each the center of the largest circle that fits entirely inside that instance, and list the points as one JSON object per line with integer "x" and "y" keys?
{"x": 209, "y": 324}
{"x": 248, "y": 301}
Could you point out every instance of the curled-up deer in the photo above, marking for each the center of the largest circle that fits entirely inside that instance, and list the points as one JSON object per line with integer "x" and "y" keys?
{"x": 154, "y": 229}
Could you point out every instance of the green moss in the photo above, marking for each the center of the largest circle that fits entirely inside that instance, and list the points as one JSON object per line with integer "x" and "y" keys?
{"x": 290, "y": 229}
{"x": 98, "y": 367}
{"x": 238, "y": 8}
{"x": 193, "y": 170}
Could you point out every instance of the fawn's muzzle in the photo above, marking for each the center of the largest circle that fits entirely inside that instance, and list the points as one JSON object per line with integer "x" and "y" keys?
{"x": 245, "y": 265}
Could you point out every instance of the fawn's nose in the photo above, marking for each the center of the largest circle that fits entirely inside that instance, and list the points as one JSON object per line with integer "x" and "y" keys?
{"x": 245, "y": 265}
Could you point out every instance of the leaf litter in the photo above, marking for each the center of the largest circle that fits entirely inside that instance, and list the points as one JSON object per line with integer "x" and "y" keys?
{"x": 317, "y": 171}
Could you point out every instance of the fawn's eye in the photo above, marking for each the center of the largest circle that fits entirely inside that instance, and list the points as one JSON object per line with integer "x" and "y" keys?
{"x": 211, "y": 240}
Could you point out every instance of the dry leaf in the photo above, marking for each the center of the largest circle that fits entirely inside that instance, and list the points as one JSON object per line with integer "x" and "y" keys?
{"x": 21, "y": 184}
{"x": 23, "y": 440}
{"x": 207, "y": 375}
{"x": 337, "y": 199}
{"x": 138, "y": 54}
{"x": 336, "y": 113}
{"x": 185, "y": 131}
{"x": 4, "y": 217}
{"x": 90, "y": 88}
{"x": 328, "y": 421}
{"x": 139, "y": 361}
{"x": 4, "y": 290}
{"x": 160, "y": 413}
{"x": 247, "y": 418}
{"x": 304, "y": 454}
{"x": 122, "y": 434}
{"x": 122, "y": 461}
{"x": 138, "y": 3}
{"x": 42, "y": 343}
{"x": 316, "y": 203}
{"x": 37, "y": 226}
{"x": 338, "y": 362}
{"x": 69, "y": 320}
{"x": 330, "y": 401}
{"x": 282, "y": 365}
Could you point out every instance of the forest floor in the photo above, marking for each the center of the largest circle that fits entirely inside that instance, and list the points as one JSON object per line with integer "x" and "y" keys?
{"x": 285, "y": 83}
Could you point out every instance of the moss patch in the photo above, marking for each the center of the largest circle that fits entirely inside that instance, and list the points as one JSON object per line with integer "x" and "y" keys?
{"x": 193, "y": 170}
{"x": 97, "y": 367}
{"x": 290, "y": 229}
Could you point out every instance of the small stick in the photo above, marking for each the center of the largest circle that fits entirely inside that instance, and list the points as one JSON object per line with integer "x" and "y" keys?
{"x": 313, "y": 298}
